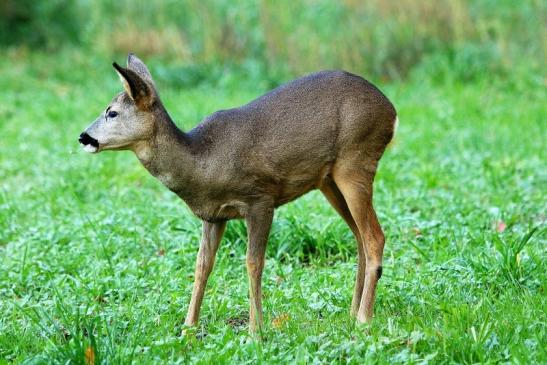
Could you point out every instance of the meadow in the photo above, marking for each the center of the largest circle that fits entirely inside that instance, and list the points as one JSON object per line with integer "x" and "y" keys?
{"x": 97, "y": 257}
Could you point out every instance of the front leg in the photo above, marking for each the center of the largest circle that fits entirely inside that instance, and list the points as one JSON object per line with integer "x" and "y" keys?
{"x": 259, "y": 221}
{"x": 210, "y": 239}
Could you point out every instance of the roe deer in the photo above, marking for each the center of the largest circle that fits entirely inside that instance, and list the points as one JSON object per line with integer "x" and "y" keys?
{"x": 325, "y": 131}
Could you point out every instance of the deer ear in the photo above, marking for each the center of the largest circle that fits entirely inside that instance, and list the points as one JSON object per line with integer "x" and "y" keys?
{"x": 134, "y": 63}
{"x": 136, "y": 87}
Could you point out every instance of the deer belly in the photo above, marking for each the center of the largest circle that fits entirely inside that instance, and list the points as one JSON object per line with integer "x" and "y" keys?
{"x": 296, "y": 185}
{"x": 220, "y": 211}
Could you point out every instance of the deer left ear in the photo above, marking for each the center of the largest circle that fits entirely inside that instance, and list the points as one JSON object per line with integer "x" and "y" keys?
{"x": 136, "y": 87}
{"x": 134, "y": 63}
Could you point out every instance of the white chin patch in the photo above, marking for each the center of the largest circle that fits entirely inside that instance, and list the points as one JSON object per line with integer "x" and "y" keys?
{"x": 89, "y": 148}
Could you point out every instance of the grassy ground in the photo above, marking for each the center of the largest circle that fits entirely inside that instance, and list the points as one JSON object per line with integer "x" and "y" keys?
{"x": 96, "y": 257}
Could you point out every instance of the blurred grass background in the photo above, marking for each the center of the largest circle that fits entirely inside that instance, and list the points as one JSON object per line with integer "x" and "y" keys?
{"x": 276, "y": 40}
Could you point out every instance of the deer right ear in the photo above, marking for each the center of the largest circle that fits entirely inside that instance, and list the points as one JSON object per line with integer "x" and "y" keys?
{"x": 136, "y": 87}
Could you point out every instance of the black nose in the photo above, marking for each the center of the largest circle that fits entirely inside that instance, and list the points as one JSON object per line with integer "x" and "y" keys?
{"x": 86, "y": 139}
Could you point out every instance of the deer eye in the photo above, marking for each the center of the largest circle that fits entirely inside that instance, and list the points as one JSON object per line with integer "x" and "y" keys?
{"x": 112, "y": 114}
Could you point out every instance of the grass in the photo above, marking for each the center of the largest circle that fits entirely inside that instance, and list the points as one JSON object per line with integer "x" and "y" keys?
{"x": 97, "y": 258}
{"x": 382, "y": 39}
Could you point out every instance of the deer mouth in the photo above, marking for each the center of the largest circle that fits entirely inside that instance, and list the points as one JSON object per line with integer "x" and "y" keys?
{"x": 89, "y": 143}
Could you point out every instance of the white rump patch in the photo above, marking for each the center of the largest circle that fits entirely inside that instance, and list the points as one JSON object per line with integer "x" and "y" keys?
{"x": 395, "y": 127}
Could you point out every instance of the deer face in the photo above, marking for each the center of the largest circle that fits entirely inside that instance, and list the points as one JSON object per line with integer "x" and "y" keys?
{"x": 128, "y": 118}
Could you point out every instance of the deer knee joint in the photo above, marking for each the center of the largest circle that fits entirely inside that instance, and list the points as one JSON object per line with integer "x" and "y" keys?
{"x": 374, "y": 271}
{"x": 254, "y": 266}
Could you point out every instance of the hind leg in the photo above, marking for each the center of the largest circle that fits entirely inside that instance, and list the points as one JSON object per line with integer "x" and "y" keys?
{"x": 335, "y": 198}
{"x": 356, "y": 188}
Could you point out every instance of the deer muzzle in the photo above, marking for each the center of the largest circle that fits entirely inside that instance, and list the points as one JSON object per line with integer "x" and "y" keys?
{"x": 89, "y": 143}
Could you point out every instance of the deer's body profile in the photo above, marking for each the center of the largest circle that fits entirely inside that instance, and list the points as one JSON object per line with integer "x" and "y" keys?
{"x": 326, "y": 131}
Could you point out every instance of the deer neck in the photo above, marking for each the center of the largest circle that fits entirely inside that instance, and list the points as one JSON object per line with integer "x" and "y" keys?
{"x": 167, "y": 155}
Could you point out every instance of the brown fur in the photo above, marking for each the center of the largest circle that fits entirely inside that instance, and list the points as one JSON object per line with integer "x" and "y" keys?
{"x": 326, "y": 131}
